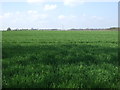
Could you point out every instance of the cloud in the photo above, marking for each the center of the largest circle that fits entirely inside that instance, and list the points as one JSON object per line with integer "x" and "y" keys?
{"x": 35, "y": 1}
{"x": 73, "y": 16}
{"x": 21, "y": 19}
{"x": 43, "y": 16}
{"x": 6, "y": 15}
{"x": 70, "y": 3}
{"x": 35, "y": 15}
{"x": 73, "y": 2}
{"x": 30, "y": 15}
{"x": 17, "y": 12}
{"x": 50, "y": 7}
{"x": 32, "y": 12}
{"x": 80, "y": 2}
{"x": 61, "y": 17}
{"x": 97, "y": 18}
{"x": 67, "y": 17}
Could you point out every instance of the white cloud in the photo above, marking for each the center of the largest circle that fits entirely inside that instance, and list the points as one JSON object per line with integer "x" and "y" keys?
{"x": 21, "y": 19}
{"x": 43, "y": 16}
{"x": 69, "y": 2}
{"x": 5, "y": 15}
{"x": 67, "y": 17}
{"x": 30, "y": 15}
{"x": 61, "y": 17}
{"x": 73, "y": 2}
{"x": 17, "y": 12}
{"x": 35, "y": 1}
{"x": 35, "y": 15}
{"x": 97, "y": 18}
{"x": 1, "y": 17}
{"x": 73, "y": 16}
{"x": 32, "y": 12}
{"x": 50, "y": 7}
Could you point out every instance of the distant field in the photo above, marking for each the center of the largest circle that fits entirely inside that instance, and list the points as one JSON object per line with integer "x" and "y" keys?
{"x": 60, "y": 59}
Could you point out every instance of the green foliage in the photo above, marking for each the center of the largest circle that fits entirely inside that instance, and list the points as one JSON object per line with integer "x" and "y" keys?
{"x": 60, "y": 59}
{"x": 9, "y": 29}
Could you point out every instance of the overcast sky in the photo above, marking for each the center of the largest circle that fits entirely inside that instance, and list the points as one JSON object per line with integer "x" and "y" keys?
{"x": 62, "y": 15}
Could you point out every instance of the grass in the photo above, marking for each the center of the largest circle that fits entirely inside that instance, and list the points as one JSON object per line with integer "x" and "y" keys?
{"x": 60, "y": 59}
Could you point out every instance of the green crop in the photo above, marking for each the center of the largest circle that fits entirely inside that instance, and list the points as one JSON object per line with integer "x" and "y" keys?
{"x": 60, "y": 59}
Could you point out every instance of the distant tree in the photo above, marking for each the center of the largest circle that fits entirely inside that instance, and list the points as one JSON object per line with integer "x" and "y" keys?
{"x": 9, "y": 29}
{"x": 31, "y": 29}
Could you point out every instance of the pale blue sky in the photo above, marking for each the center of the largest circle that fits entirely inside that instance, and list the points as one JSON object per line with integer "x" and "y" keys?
{"x": 58, "y": 15}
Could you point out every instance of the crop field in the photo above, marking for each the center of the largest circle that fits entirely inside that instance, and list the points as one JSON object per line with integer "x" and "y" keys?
{"x": 60, "y": 59}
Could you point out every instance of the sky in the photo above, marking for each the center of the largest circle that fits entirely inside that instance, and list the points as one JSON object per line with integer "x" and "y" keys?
{"x": 59, "y": 15}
